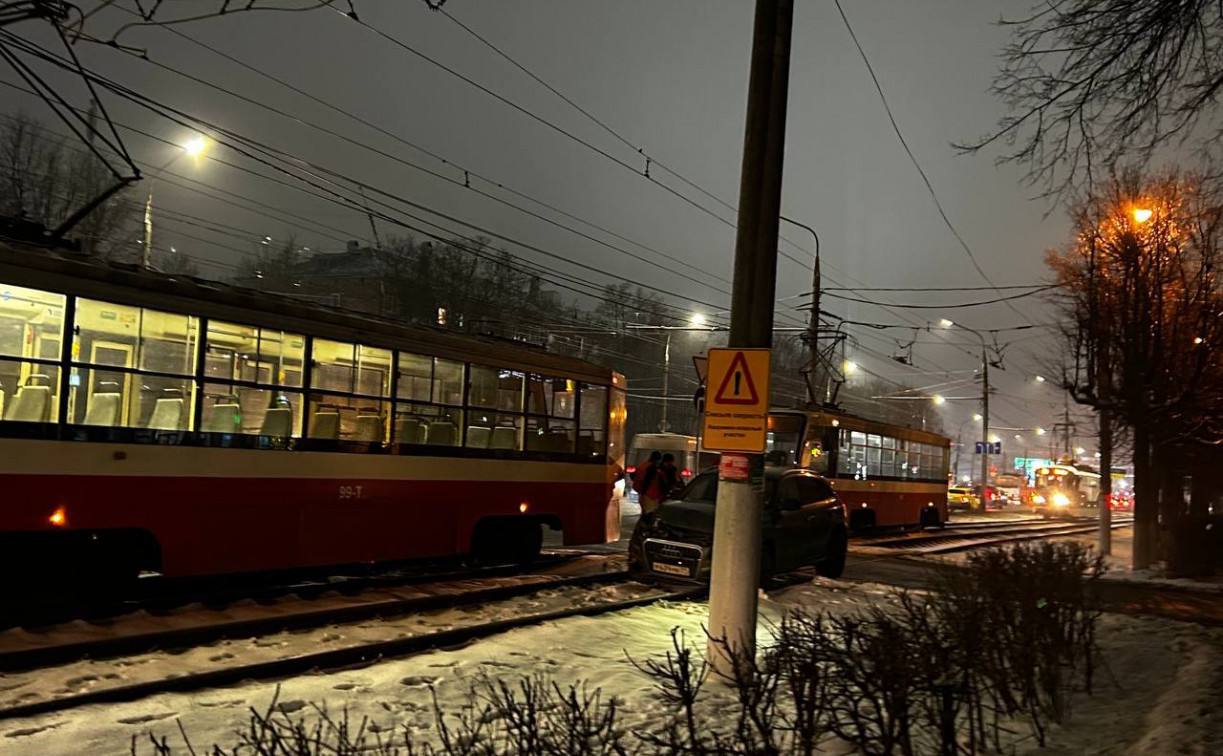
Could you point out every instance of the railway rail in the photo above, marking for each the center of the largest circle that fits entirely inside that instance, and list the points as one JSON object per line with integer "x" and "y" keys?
{"x": 593, "y": 594}
{"x": 978, "y": 535}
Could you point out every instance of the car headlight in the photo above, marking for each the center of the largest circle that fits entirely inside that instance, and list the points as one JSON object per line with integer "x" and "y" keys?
{"x": 1038, "y": 499}
{"x": 1061, "y": 500}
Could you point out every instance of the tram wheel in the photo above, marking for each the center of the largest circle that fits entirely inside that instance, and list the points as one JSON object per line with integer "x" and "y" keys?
{"x": 517, "y": 540}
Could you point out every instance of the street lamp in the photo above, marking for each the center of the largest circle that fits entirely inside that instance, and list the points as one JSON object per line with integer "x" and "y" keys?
{"x": 697, "y": 319}
{"x": 1040, "y": 379}
{"x": 194, "y": 148}
{"x": 977, "y": 417}
{"x": 938, "y": 399}
{"x": 946, "y": 323}
{"x": 850, "y": 367}
{"x": 1040, "y": 431}
{"x": 1142, "y": 214}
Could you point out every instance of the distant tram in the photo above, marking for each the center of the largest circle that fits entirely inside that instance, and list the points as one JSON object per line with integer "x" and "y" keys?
{"x": 159, "y": 423}
{"x": 886, "y": 475}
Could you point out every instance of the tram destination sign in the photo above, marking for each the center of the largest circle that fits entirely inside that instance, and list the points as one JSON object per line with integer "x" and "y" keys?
{"x": 736, "y": 401}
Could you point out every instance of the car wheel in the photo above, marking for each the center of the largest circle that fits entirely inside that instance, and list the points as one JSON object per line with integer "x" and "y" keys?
{"x": 833, "y": 565}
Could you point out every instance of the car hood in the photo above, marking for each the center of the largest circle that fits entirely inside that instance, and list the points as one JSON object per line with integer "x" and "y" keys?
{"x": 691, "y": 516}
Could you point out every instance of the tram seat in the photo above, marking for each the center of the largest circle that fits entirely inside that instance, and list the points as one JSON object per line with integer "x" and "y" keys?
{"x": 478, "y": 436}
{"x": 278, "y": 421}
{"x": 409, "y": 430}
{"x": 325, "y": 424}
{"x": 440, "y": 433}
{"x": 32, "y": 404}
{"x": 103, "y": 409}
{"x": 224, "y": 418}
{"x": 369, "y": 428}
{"x": 167, "y": 414}
{"x": 504, "y": 437}
{"x": 586, "y": 444}
{"x": 558, "y": 441}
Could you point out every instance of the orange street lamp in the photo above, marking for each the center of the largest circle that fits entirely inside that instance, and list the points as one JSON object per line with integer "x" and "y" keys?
{"x": 1142, "y": 214}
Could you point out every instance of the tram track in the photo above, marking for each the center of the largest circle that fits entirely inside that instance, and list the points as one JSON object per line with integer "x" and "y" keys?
{"x": 585, "y": 595}
{"x": 159, "y": 596}
{"x": 952, "y": 540}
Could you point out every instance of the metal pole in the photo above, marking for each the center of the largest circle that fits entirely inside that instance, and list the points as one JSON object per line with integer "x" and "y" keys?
{"x": 984, "y": 422}
{"x": 146, "y": 255}
{"x": 666, "y": 382}
{"x": 737, "y": 525}
{"x": 813, "y": 324}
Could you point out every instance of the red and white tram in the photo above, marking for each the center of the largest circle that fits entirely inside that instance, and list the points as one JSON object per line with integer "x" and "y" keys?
{"x": 886, "y": 475}
{"x": 155, "y": 423}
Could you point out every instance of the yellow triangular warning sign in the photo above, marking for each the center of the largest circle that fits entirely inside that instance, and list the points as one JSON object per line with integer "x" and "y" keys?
{"x": 737, "y": 385}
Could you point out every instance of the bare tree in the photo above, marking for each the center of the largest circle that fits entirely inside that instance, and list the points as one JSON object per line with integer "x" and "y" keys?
{"x": 1096, "y": 83}
{"x": 1143, "y": 299}
{"x": 44, "y": 179}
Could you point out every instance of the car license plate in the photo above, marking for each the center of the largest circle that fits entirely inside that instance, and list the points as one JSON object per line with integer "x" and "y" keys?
{"x": 672, "y": 569}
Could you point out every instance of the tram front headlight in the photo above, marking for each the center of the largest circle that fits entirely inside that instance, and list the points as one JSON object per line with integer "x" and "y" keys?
{"x": 1038, "y": 499}
{"x": 1061, "y": 500}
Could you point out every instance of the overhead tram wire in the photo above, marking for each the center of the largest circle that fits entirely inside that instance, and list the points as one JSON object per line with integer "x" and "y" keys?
{"x": 467, "y": 172}
{"x": 435, "y": 174}
{"x": 913, "y": 158}
{"x": 186, "y": 183}
{"x": 953, "y": 306}
{"x": 650, "y": 159}
{"x": 186, "y": 120}
{"x": 153, "y": 105}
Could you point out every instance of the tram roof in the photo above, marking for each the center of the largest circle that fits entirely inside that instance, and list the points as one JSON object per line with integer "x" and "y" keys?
{"x": 67, "y": 271}
{"x": 853, "y": 422}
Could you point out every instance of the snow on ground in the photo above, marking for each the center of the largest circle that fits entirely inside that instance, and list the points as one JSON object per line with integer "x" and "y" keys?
{"x": 1159, "y": 693}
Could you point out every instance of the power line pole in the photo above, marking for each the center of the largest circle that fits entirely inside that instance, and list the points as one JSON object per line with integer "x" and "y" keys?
{"x": 736, "y": 538}
{"x": 984, "y": 424}
{"x": 666, "y": 383}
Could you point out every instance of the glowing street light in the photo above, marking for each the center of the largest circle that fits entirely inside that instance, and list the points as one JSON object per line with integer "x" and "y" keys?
{"x": 1040, "y": 379}
{"x": 195, "y": 147}
{"x": 945, "y": 323}
{"x": 1142, "y": 214}
{"x": 1080, "y": 450}
{"x": 977, "y": 417}
{"x": 697, "y": 319}
{"x": 1040, "y": 431}
{"x": 938, "y": 399}
{"x": 1197, "y": 340}
{"x": 849, "y": 367}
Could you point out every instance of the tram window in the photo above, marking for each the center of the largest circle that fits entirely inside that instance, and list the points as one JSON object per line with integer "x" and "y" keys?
{"x": 415, "y": 377}
{"x": 31, "y": 322}
{"x": 29, "y": 392}
{"x": 494, "y": 430}
{"x": 346, "y": 418}
{"x": 887, "y": 462}
{"x": 591, "y": 433}
{"x": 351, "y": 368}
{"x": 494, "y": 388}
{"x": 547, "y": 434}
{"x": 427, "y": 424}
{"x": 135, "y": 337}
{"x": 447, "y": 381}
{"x": 550, "y": 396}
{"x": 252, "y": 411}
{"x": 129, "y": 399}
{"x": 248, "y": 353}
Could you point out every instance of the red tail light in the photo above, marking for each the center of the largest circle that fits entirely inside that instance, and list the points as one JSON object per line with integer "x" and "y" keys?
{"x": 685, "y": 473}
{"x": 631, "y": 469}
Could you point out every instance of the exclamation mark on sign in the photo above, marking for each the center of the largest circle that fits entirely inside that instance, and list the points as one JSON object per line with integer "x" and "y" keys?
{"x": 738, "y": 378}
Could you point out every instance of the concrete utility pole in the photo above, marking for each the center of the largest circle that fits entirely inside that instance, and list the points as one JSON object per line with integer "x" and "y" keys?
{"x": 736, "y": 537}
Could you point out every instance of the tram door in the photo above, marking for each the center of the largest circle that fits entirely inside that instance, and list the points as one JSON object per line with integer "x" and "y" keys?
{"x": 103, "y": 407}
